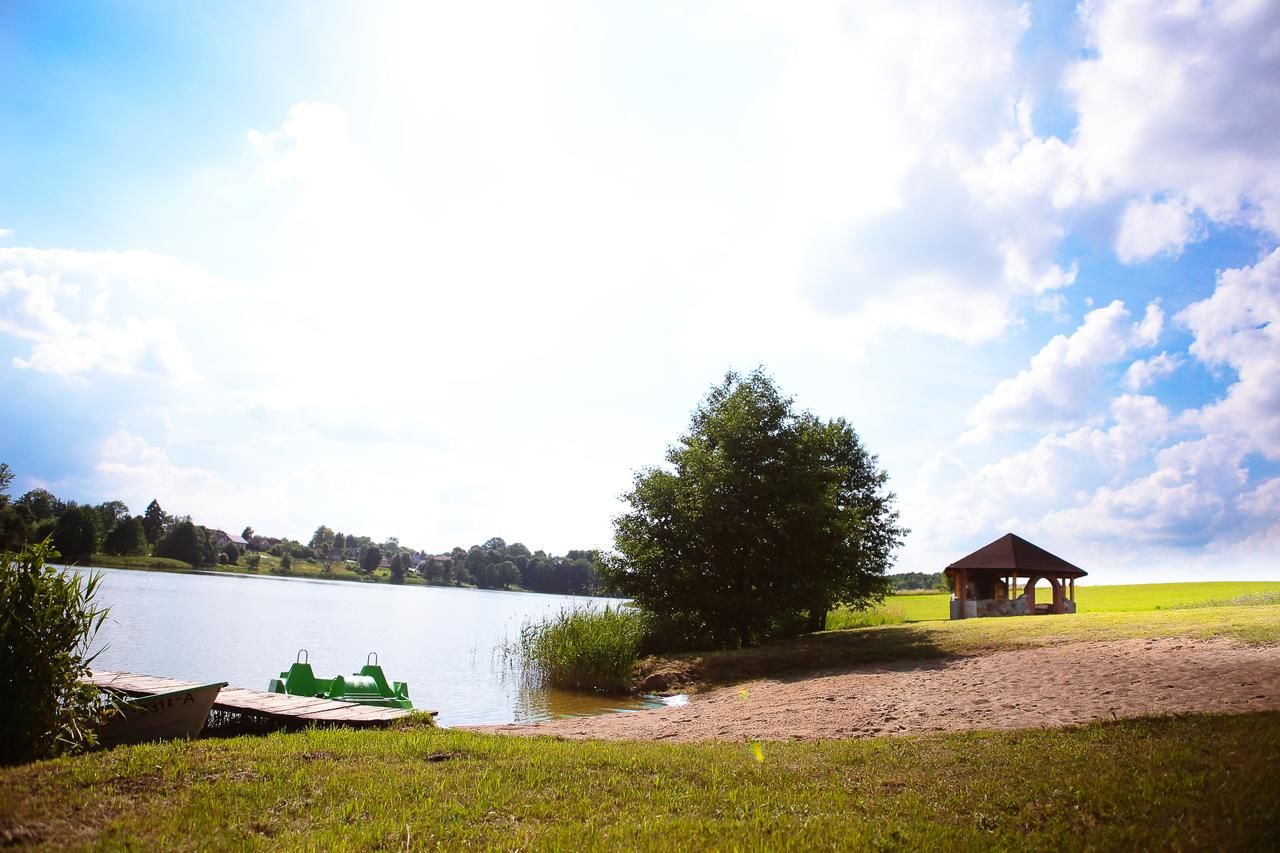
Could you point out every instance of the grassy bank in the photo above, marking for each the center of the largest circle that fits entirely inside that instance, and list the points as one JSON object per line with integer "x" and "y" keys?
{"x": 922, "y": 607}
{"x": 268, "y": 565}
{"x": 829, "y": 649}
{"x": 164, "y": 564}
{"x": 1183, "y": 783}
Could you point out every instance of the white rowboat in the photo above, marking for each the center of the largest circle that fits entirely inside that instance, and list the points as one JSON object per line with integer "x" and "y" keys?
{"x": 178, "y": 713}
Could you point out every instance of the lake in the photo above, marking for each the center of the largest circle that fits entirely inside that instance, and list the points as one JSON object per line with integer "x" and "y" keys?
{"x": 246, "y": 629}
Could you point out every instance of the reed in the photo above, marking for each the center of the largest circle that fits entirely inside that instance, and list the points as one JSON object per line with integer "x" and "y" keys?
{"x": 587, "y": 648}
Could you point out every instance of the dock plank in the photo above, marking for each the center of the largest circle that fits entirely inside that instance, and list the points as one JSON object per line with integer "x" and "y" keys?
{"x": 241, "y": 700}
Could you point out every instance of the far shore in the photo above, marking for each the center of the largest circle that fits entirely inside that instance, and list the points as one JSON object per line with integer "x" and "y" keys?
{"x": 269, "y": 568}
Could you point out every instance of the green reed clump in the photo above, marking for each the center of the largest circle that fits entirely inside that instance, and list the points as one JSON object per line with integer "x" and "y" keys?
{"x": 581, "y": 649}
{"x": 48, "y": 618}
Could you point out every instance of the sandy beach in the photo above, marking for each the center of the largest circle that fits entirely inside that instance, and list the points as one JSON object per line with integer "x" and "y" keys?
{"x": 1027, "y": 688}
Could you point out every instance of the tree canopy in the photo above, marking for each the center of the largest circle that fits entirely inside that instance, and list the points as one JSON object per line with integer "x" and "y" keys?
{"x": 763, "y": 519}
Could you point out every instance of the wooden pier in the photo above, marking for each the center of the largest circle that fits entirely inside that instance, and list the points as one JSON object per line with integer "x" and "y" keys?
{"x": 297, "y": 710}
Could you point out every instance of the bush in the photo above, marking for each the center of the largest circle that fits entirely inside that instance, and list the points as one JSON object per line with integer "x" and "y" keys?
{"x": 230, "y": 554}
{"x": 76, "y": 534}
{"x": 584, "y": 649}
{"x": 48, "y": 619}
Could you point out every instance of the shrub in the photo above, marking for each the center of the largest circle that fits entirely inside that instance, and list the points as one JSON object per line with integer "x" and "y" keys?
{"x": 48, "y": 619}
{"x": 76, "y": 534}
{"x": 230, "y": 554}
{"x": 583, "y": 649}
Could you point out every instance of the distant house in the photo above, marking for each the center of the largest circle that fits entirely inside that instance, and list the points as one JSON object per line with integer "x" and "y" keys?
{"x": 222, "y": 539}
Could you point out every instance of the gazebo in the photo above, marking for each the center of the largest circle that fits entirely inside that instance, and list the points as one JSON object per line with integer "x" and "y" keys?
{"x": 985, "y": 583}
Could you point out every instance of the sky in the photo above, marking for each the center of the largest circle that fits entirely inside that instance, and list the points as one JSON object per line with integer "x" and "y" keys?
{"x": 447, "y": 271}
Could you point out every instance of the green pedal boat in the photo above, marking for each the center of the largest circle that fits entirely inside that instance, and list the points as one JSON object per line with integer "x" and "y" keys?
{"x": 368, "y": 687}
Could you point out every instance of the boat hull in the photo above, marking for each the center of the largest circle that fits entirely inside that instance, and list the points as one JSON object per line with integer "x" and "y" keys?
{"x": 161, "y": 716}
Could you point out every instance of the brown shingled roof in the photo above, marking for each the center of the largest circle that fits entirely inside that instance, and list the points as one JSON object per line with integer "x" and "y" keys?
{"x": 1013, "y": 553}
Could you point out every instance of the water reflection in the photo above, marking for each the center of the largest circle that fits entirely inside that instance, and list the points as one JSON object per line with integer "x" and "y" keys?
{"x": 245, "y": 630}
{"x": 533, "y": 705}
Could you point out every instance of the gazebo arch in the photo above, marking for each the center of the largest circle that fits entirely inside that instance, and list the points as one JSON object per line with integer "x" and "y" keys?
{"x": 985, "y": 583}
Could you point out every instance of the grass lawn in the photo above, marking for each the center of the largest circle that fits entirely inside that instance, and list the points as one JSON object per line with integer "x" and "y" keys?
{"x": 917, "y": 607}
{"x": 139, "y": 562}
{"x": 1185, "y": 782}
{"x": 1205, "y": 782}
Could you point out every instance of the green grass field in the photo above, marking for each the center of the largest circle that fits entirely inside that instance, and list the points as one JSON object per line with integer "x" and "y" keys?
{"x": 1174, "y": 783}
{"x": 917, "y": 607}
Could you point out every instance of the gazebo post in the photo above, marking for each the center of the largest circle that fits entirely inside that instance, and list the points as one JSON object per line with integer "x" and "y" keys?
{"x": 1073, "y": 590}
{"x": 961, "y": 583}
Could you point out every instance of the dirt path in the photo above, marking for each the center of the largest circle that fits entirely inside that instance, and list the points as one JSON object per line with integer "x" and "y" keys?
{"x": 1052, "y": 686}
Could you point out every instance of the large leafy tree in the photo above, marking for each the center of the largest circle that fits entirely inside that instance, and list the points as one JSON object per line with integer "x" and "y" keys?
{"x": 127, "y": 537}
{"x": 76, "y": 534}
{"x": 186, "y": 542}
{"x": 153, "y": 521}
{"x": 763, "y": 519}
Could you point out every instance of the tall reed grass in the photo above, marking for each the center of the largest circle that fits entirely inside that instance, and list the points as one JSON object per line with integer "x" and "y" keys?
{"x": 582, "y": 649}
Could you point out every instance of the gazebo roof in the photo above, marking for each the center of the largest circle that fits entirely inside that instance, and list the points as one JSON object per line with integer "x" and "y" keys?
{"x": 1012, "y": 553}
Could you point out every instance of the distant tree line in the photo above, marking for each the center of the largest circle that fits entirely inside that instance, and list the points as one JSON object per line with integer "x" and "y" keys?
{"x": 80, "y": 531}
{"x": 918, "y": 580}
{"x": 497, "y": 565}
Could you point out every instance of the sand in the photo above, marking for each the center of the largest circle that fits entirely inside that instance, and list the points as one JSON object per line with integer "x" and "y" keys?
{"x": 1029, "y": 688}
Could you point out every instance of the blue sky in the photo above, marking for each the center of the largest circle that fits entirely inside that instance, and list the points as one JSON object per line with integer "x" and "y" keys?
{"x": 449, "y": 271}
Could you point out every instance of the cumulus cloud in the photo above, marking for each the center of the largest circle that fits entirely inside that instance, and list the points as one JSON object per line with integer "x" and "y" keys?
{"x": 1147, "y": 478}
{"x": 1063, "y": 377}
{"x": 137, "y": 471}
{"x": 91, "y": 311}
{"x": 1149, "y": 228}
{"x": 883, "y": 110}
{"x": 1146, "y": 371}
{"x": 1180, "y": 98}
{"x": 1238, "y": 328}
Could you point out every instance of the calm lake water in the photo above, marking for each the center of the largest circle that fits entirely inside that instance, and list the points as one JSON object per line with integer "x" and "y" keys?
{"x": 245, "y": 630}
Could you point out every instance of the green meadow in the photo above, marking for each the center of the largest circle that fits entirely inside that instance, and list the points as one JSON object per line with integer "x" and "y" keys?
{"x": 917, "y": 607}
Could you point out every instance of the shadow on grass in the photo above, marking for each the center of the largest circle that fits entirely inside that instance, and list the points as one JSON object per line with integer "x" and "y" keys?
{"x": 798, "y": 656}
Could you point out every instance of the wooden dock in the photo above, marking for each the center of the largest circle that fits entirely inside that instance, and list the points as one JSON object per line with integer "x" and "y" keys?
{"x": 297, "y": 710}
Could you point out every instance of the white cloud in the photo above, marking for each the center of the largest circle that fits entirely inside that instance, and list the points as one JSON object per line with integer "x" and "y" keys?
{"x": 1061, "y": 379}
{"x": 6, "y": 233}
{"x": 1144, "y": 372}
{"x": 1149, "y": 228}
{"x": 1181, "y": 98}
{"x": 60, "y": 301}
{"x": 1238, "y": 327}
{"x": 1151, "y": 486}
{"x": 883, "y": 111}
